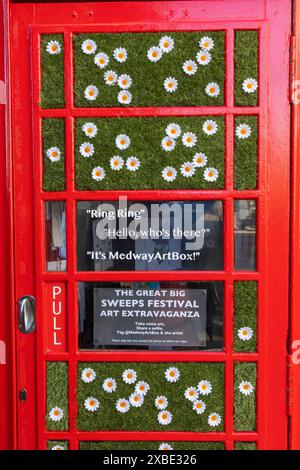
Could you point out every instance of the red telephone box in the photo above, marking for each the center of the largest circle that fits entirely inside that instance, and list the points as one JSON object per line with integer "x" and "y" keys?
{"x": 147, "y": 104}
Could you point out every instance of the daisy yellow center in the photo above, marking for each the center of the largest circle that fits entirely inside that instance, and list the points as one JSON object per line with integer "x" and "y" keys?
{"x": 199, "y": 160}
{"x": 122, "y": 404}
{"x": 187, "y": 169}
{"x": 110, "y": 78}
{"x": 189, "y": 139}
{"x": 101, "y": 61}
{"x": 170, "y": 85}
{"x": 54, "y": 154}
{"x": 190, "y": 68}
{"x": 56, "y": 413}
{"x": 136, "y": 399}
{"x": 212, "y": 89}
{"x": 92, "y": 402}
{"x": 210, "y": 173}
{"x": 245, "y": 332}
{"x": 169, "y": 173}
{"x": 191, "y": 393}
{"x": 87, "y": 149}
{"x": 54, "y": 47}
{"x": 249, "y": 85}
{"x": 122, "y": 141}
{"x": 164, "y": 416}
{"x": 214, "y": 418}
{"x": 88, "y": 375}
{"x": 209, "y": 127}
{"x": 165, "y": 448}
{"x": 154, "y": 54}
{"x": 98, "y": 173}
{"x": 109, "y": 384}
{"x": 89, "y": 47}
{"x": 173, "y": 131}
{"x": 246, "y": 387}
{"x": 172, "y": 374}
{"x": 90, "y": 130}
{"x": 160, "y": 402}
{"x": 142, "y": 388}
{"x": 120, "y": 55}
{"x": 204, "y": 386}
{"x": 166, "y": 44}
{"x": 243, "y": 131}
{"x": 206, "y": 44}
{"x": 132, "y": 163}
{"x": 168, "y": 143}
{"x": 129, "y": 376}
{"x": 116, "y": 163}
{"x": 124, "y": 82}
{"x": 199, "y": 406}
{"x": 124, "y": 98}
{"x": 91, "y": 92}
{"x": 203, "y": 58}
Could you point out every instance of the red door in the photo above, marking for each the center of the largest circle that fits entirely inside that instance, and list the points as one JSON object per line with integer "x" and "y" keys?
{"x": 150, "y": 342}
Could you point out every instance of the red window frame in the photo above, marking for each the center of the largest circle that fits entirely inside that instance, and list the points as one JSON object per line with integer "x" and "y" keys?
{"x": 27, "y": 23}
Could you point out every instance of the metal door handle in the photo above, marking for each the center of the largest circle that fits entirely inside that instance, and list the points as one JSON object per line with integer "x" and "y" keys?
{"x": 26, "y": 314}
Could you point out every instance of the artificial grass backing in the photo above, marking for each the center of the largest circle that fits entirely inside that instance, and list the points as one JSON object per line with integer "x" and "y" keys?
{"x": 144, "y": 418}
{"x": 57, "y": 394}
{"x": 52, "y": 85}
{"x": 51, "y": 444}
{"x": 149, "y": 445}
{"x": 246, "y": 155}
{"x": 244, "y": 405}
{"x": 148, "y": 77}
{"x": 245, "y": 446}
{"x": 245, "y": 314}
{"x": 54, "y": 172}
{"x": 146, "y": 135}
{"x": 246, "y": 53}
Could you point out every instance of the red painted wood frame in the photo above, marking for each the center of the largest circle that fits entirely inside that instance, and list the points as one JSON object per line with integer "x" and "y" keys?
{"x": 272, "y": 19}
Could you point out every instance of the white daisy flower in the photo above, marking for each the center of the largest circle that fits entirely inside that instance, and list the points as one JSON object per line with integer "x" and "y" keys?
{"x": 166, "y": 44}
{"x": 172, "y": 374}
{"x": 122, "y": 141}
{"x": 133, "y": 164}
{"x": 170, "y": 84}
{"x": 250, "y": 85}
{"x": 110, "y": 77}
{"x": 129, "y": 376}
{"x": 98, "y": 173}
{"x": 53, "y": 47}
{"x": 109, "y": 385}
{"x": 120, "y": 54}
{"x": 211, "y": 174}
{"x": 245, "y": 333}
{"x": 199, "y": 160}
{"x": 191, "y": 394}
{"x": 53, "y": 153}
{"x": 90, "y": 129}
{"x": 116, "y": 163}
{"x": 142, "y": 387}
{"x": 161, "y": 402}
{"x": 154, "y": 54}
{"x": 89, "y": 46}
{"x": 168, "y": 144}
{"x": 212, "y": 89}
{"x": 164, "y": 417}
{"x": 91, "y": 404}
{"x": 169, "y": 173}
{"x": 206, "y": 43}
{"x": 204, "y": 387}
{"x": 86, "y": 149}
{"x": 88, "y": 375}
{"x": 187, "y": 169}
{"x": 91, "y": 92}
{"x": 189, "y": 139}
{"x": 101, "y": 60}
{"x": 58, "y": 447}
{"x": 56, "y": 414}
{"x": 190, "y": 67}
{"x": 124, "y": 81}
{"x": 173, "y": 130}
{"x": 203, "y": 57}
{"x": 136, "y": 400}
{"x": 214, "y": 420}
{"x": 210, "y": 127}
{"x": 124, "y": 97}
{"x": 122, "y": 405}
{"x": 243, "y": 131}
{"x": 165, "y": 446}
{"x": 246, "y": 388}
{"x": 199, "y": 406}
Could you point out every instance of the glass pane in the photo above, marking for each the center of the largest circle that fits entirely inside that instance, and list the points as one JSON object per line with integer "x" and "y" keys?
{"x": 151, "y": 315}
{"x": 149, "y": 236}
{"x": 55, "y": 225}
{"x": 245, "y": 235}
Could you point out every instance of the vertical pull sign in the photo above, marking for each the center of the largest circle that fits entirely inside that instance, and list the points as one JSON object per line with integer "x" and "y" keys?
{"x": 26, "y": 317}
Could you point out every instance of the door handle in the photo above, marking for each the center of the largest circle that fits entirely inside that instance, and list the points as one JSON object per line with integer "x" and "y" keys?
{"x": 26, "y": 314}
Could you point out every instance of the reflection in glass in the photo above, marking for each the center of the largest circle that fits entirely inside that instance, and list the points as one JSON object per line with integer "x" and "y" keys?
{"x": 55, "y": 226}
{"x": 149, "y": 236}
{"x": 161, "y": 316}
{"x": 245, "y": 235}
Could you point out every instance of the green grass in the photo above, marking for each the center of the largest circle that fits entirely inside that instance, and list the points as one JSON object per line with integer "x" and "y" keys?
{"x": 54, "y": 172}
{"x": 244, "y": 406}
{"x": 57, "y": 394}
{"x": 246, "y": 53}
{"x": 51, "y": 444}
{"x": 245, "y": 314}
{"x": 150, "y": 445}
{"x": 246, "y": 155}
{"x": 245, "y": 446}
{"x": 145, "y": 417}
{"x": 148, "y": 77}
{"x": 146, "y": 135}
{"x": 52, "y": 86}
